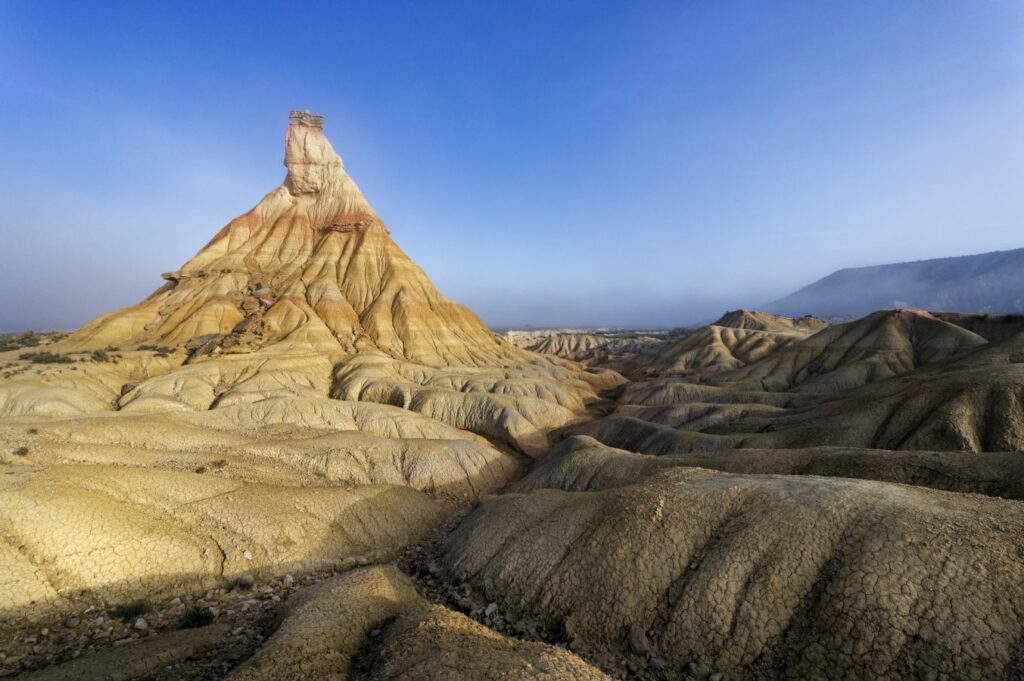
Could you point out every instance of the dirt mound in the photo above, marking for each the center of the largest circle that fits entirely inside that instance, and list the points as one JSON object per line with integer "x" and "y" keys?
{"x": 999, "y": 474}
{"x": 770, "y": 576}
{"x": 120, "y": 533}
{"x": 881, "y": 345}
{"x": 329, "y": 625}
{"x": 622, "y": 351}
{"x": 766, "y": 321}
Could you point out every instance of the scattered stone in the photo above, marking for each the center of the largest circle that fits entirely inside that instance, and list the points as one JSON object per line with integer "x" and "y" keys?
{"x": 374, "y": 633}
{"x": 72, "y": 622}
{"x": 140, "y": 624}
{"x": 489, "y": 610}
{"x": 288, "y": 580}
{"x": 638, "y": 642}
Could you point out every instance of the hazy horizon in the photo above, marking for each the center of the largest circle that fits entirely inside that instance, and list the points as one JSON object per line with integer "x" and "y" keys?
{"x": 569, "y": 166}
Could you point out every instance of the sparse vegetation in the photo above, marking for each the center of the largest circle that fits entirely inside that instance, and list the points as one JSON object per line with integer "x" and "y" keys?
{"x": 46, "y": 358}
{"x": 129, "y": 611}
{"x": 158, "y": 349}
{"x": 201, "y": 470}
{"x": 21, "y": 451}
{"x": 197, "y": 616}
{"x": 219, "y": 463}
{"x": 33, "y": 431}
{"x": 18, "y": 341}
{"x": 100, "y": 356}
{"x": 242, "y": 582}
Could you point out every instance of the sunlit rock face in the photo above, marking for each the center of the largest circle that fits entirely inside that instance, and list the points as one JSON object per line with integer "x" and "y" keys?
{"x": 771, "y": 497}
{"x": 297, "y": 396}
{"x": 312, "y": 264}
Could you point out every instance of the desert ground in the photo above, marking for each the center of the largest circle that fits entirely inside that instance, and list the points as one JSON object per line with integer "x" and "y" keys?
{"x": 298, "y": 459}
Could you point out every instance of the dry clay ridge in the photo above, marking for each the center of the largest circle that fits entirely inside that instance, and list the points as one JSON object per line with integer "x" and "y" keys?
{"x": 303, "y": 449}
{"x": 298, "y": 397}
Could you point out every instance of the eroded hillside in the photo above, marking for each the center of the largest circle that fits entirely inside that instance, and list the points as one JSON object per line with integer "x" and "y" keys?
{"x": 297, "y": 459}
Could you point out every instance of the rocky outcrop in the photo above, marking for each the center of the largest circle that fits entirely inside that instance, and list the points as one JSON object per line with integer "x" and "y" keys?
{"x": 312, "y": 263}
{"x": 330, "y": 624}
{"x": 759, "y": 576}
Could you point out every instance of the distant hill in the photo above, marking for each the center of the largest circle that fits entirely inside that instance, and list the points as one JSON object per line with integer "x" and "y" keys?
{"x": 990, "y": 282}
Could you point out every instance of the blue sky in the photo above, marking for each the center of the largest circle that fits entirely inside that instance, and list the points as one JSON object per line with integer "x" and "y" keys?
{"x": 547, "y": 163}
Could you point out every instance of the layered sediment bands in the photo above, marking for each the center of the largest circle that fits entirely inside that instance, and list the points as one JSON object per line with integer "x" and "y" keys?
{"x": 777, "y": 576}
{"x": 516, "y": 404}
{"x": 622, "y": 351}
{"x": 766, "y": 321}
{"x": 969, "y": 403}
{"x": 313, "y": 264}
{"x": 737, "y": 339}
{"x": 328, "y": 625}
{"x": 290, "y": 442}
{"x": 961, "y": 395}
{"x": 879, "y": 346}
{"x": 718, "y": 348}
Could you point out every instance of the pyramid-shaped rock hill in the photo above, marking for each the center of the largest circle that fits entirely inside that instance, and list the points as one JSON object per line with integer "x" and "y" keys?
{"x": 297, "y": 397}
{"x": 313, "y": 263}
{"x": 306, "y": 297}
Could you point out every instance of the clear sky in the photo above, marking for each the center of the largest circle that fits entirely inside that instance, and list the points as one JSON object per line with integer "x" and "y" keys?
{"x": 547, "y": 163}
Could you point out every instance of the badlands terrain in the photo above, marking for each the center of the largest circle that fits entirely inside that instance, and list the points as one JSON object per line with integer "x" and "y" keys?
{"x": 297, "y": 459}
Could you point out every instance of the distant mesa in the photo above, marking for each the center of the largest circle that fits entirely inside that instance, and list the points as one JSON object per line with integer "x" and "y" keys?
{"x": 986, "y": 283}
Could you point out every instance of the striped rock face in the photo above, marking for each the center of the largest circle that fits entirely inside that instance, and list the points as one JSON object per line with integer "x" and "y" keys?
{"x": 311, "y": 263}
{"x": 297, "y": 397}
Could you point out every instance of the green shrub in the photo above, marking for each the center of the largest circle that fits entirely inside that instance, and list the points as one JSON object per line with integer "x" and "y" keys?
{"x": 243, "y": 582}
{"x": 100, "y": 356}
{"x": 21, "y": 451}
{"x": 196, "y": 616}
{"x": 129, "y": 611}
{"x": 45, "y": 358}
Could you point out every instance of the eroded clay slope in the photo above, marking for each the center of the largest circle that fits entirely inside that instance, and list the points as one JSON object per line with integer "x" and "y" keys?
{"x": 844, "y": 356}
{"x": 581, "y": 462}
{"x": 119, "y": 533}
{"x": 776, "y": 576}
{"x": 737, "y": 339}
{"x": 327, "y": 627}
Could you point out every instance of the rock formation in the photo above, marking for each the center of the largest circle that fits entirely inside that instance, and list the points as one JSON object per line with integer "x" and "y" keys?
{"x": 298, "y": 397}
{"x": 298, "y": 459}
